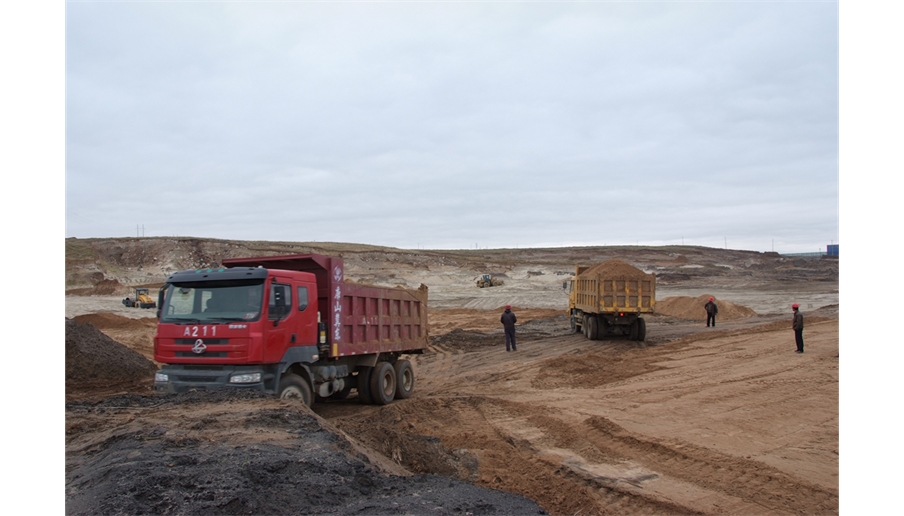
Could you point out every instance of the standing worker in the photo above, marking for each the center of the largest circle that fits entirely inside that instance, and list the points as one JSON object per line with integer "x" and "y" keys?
{"x": 508, "y": 321}
{"x": 798, "y": 326}
{"x": 711, "y": 311}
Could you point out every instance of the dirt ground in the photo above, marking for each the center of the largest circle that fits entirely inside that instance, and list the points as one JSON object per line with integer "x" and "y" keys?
{"x": 696, "y": 420}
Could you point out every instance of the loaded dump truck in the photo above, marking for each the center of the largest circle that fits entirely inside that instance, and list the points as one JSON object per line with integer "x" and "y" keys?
{"x": 608, "y": 299}
{"x": 290, "y": 326}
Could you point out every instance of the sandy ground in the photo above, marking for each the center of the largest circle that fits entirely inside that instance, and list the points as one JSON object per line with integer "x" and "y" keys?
{"x": 695, "y": 420}
{"x": 729, "y": 421}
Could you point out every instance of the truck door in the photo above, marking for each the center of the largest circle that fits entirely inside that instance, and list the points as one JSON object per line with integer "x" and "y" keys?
{"x": 306, "y": 317}
{"x": 281, "y": 321}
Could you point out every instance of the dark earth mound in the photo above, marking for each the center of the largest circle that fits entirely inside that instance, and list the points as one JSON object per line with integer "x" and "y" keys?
{"x": 153, "y": 466}
{"x": 95, "y": 362}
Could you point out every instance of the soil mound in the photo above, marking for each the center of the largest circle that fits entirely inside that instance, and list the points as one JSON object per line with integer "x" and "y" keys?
{"x": 104, "y": 287}
{"x": 95, "y": 362}
{"x": 126, "y": 461}
{"x": 616, "y": 269}
{"x": 691, "y": 308}
{"x": 108, "y": 321}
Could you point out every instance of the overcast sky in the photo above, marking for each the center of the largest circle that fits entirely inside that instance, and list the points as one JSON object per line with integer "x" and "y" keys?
{"x": 456, "y": 124}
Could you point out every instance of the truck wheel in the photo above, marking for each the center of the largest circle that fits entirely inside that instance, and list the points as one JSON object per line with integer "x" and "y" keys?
{"x": 292, "y": 386}
{"x": 404, "y": 379}
{"x": 632, "y": 334}
{"x": 641, "y": 329}
{"x": 364, "y": 374}
{"x": 574, "y": 324}
{"x": 593, "y": 325}
{"x": 584, "y": 327}
{"x": 382, "y": 383}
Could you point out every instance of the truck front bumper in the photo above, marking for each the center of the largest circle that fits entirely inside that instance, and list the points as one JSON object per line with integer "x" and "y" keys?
{"x": 179, "y": 378}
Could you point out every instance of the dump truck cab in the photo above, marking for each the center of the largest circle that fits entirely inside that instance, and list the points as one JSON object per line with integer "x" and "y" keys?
{"x": 252, "y": 323}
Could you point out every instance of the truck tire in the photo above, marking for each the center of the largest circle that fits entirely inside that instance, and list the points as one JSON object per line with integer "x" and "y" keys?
{"x": 641, "y": 329}
{"x": 591, "y": 327}
{"x": 585, "y": 326}
{"x": 595, "y": 331}
{"x": 382, "y": 383}
{"x": 292, "y": 386}
{"x": 404, "y": 379}
{"x": 364, "y": 374}
{"x": 632, "y": 334}
{"x": 574, "y": 324}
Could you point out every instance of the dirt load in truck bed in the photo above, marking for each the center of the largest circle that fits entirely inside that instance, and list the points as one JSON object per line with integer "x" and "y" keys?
{"x": 615, "y": 269}
{"x": 694, "y": 420}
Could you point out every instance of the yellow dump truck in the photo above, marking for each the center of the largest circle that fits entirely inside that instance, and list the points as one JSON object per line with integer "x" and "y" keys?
{"x": 608, "y": 299}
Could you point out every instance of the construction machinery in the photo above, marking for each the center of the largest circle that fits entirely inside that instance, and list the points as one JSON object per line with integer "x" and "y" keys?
{"x": 142, "y": 299}
{"x": 609, "y": 298}
{"x": 291, "y": 326}
{"x": 488, "y": 280}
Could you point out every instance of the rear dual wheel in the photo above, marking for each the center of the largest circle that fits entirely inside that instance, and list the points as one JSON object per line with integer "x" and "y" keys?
{"x": 638, "y": 330}
{"x": 382, "y": 383}
{"x": 404, "y": 379}
{"x": 592, "y": 327}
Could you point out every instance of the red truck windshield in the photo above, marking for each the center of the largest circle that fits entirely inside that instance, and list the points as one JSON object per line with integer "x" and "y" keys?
{"x": 219, "y": 301}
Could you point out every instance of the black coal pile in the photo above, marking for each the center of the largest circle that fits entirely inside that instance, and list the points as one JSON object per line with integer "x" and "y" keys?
{"x": 150, "y": 464}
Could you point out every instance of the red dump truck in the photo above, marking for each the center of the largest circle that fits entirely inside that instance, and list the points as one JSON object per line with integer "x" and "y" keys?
{"x": 609, "y": 298}
{"x": 288, "y": 325}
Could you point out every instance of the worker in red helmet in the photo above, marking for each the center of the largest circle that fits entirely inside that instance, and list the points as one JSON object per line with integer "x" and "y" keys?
{"x": 508, "y": 321}
{"x": 798, "y": 325}
{"x": 711, "y": 311}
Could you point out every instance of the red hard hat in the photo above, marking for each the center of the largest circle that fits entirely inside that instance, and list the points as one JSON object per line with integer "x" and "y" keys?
{"x": 710, "y": 299}
{"x": 795, "y": 305}
{"x": 508, "y": 306}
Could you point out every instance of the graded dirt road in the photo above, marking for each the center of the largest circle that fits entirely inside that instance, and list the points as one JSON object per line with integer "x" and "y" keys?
{"x": 696, "y": 420}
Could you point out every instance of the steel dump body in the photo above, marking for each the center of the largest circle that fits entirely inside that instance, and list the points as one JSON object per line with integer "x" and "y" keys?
{"x": 595, "y": 293}
{"x": 360, "y": 319}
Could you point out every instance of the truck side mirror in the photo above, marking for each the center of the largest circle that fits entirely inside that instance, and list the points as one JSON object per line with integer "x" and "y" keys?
{"x": 160, "y": 295}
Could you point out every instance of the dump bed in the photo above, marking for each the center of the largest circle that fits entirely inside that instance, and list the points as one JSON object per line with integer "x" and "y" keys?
{"x": 360, "y": 319}
{"x": 614, "y": 286}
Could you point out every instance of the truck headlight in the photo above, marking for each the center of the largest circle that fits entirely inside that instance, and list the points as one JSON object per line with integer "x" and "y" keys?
{"x": 161, "y": 377}
{"x": 245, "y": 378}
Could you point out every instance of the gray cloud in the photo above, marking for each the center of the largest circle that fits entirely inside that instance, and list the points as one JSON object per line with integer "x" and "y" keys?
{"x": 445, "y": 125}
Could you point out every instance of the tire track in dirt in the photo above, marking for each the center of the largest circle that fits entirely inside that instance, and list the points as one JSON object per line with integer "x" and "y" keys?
{"x": 536, "y": 422}
{"x": 506, "y": 460}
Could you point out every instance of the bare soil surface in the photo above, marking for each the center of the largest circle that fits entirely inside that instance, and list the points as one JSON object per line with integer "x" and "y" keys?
{"x": 696, "y": 420}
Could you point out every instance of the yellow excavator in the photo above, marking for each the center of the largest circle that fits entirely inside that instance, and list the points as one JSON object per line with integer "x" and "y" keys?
{"x": 142, "y": 299}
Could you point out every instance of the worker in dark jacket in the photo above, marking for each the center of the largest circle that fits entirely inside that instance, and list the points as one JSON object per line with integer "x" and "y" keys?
{"x": 711, "y": 311}
{"x": 798, "y": 325}
{"x": 508, "y": 321}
